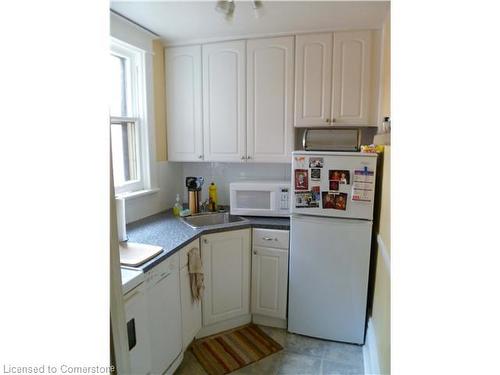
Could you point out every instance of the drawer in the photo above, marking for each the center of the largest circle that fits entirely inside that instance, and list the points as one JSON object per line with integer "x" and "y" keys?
{"x": 185, "y": 250}
{"x": 167, "y": 266}
{"x": 271, "y": 238}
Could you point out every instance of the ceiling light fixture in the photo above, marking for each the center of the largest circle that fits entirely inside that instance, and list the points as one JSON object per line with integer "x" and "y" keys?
{"x": 227, "y": 7}
{"x": 257, "y": 8}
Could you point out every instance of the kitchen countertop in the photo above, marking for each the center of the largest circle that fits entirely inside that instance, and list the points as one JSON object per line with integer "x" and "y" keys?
{"x": 171, "y": 233}
{"x": 131, "y": 278}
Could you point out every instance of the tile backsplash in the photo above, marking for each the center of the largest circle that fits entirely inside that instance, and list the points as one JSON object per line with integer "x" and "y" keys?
{"x": 224, "y": 173}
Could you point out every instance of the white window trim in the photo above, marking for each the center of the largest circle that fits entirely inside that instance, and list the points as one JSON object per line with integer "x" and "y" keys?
{"x": 139, "y": 95}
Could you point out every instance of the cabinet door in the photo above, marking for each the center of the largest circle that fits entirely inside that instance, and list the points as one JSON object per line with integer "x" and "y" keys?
{"x": 224, "y": 101}
{"x": 226, "y": 263}
{"x": 269, "y": 282}
{"x": 184, "y": 110}
{"x": 270, "y": 99}
{"x": 352, "y": 60}
{"x": 191, "y": 310}
{"x": 313, "y": 79}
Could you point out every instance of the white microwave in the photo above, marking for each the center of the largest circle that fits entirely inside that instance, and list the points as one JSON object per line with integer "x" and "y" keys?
{"x": 260, "y": 198}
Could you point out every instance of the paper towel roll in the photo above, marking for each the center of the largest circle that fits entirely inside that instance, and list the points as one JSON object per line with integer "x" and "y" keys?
{"x": 120, "y": 219}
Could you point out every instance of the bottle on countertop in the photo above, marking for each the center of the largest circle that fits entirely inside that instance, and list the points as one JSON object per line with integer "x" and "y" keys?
{"x": 212, "y": 197}
{"x": 386, "y": 125}
{"x": 177, "y": 206}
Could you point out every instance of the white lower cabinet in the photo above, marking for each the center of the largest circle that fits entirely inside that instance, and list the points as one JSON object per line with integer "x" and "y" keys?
{"x": 269, "y": 282}
{"x": 191, "y": 310}
{"x": 226, "y": 264}
{"x": 269, "y": 277}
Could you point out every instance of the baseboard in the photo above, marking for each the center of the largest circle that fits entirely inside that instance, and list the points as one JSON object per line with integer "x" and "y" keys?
{"x": 175, "y": 364}
{"x": 212, "y": 329}
{"x": 370, "y": 352}
{"x": 269, "y": 322}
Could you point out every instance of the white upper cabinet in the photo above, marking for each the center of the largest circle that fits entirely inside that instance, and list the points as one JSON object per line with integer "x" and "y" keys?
{"x": 313, "y": 79}
{"x": 352, "y": 64}
{"x": 270, "y": 99}
{"x": 224, "y": 101}
{"x": 184, "y": 110}
{"x": 333, "y": 79}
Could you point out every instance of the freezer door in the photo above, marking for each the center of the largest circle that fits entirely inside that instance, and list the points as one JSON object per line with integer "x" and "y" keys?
{"x": 328, "y": 282}
{"x": 318, "y": 189}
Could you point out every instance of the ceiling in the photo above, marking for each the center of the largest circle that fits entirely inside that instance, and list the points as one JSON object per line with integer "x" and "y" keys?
{"x": 189, "y": 21}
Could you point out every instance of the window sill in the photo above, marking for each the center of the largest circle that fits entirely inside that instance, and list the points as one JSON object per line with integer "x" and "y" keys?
{"x": 137, "y": 194}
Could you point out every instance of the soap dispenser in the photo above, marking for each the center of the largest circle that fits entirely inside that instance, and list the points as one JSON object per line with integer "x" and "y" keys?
{"x": 177, "y": 206}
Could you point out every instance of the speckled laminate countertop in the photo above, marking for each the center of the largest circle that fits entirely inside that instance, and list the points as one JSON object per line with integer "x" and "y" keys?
{"x": 171, "y": 233}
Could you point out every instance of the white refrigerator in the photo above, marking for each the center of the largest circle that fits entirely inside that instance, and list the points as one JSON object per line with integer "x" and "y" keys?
{"x": 330, "y": 238}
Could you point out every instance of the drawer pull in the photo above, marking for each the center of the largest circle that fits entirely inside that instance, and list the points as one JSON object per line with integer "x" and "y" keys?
{"x": 267, "y": 238}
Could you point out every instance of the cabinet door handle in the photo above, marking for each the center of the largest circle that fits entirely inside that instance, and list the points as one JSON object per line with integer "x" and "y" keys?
{"x": 333, "y": 120}
{"x": 255, "y": 252}
{"x": 131, "y": 333}
{"x": 163, "y": 276}
{"x": 200, "y": 157}
{"x": 249, "y": 157}
{"x": 205, "y": 240}
{"x": 327, "y": 120}
{"x": 128, "y": 296}
{"x": 243, "y": 158}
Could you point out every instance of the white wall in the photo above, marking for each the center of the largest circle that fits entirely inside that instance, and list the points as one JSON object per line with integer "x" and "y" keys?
{"x": 170, "y": 183}
{"x": 224, "y": 173}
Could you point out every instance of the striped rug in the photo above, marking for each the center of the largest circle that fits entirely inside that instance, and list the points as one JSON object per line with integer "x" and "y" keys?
{"x": 231, "y": 350}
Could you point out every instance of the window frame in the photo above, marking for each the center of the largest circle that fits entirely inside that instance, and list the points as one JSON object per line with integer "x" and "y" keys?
{"x": 137, "y": 115}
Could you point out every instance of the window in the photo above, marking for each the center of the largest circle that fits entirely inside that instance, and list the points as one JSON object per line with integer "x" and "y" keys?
{"x": 128, "y": 125}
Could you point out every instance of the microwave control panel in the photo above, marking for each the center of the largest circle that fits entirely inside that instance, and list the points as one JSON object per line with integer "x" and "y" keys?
{"x": 284, "y": 198}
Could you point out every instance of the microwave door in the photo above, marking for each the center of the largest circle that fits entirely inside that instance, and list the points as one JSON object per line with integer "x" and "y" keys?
{"x": 253, "y": 202}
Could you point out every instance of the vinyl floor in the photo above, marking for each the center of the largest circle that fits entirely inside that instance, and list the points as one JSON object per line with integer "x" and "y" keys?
{"x": 301, "y": 356}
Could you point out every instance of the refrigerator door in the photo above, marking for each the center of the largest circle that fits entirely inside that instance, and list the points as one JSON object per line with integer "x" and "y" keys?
{"x": 329, "y": 265}
{"x": 318, "y": 175}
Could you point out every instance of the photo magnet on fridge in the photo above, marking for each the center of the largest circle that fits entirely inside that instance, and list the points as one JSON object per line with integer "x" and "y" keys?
{"x": 300, "y": 161}
{"x": 315, "y": 174}
{"x": 316, "y": 196}
{"x": 305, "y": 200}
{"x": 333, "y": 185}
{"x": 301, "y": 179}
{"x": 343, "y": 176}
{"x": 316, "y": 163}
{"x": 341, "y": 201}
{"x": 328, "y": 199}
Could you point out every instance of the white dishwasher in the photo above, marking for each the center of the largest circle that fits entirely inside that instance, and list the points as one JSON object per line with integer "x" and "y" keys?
{"x": 135, "y": 300}
{"x": 164, "y": 305}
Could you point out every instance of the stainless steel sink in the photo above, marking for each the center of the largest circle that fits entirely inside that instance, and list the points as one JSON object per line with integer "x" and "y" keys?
{"x": 210, "y": 219}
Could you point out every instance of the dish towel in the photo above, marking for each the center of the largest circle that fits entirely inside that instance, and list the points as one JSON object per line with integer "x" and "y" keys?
{"x": 195, "y": 270}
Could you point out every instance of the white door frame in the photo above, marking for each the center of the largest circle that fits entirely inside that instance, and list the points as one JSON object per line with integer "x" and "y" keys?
{"x": 117, "y": 306}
